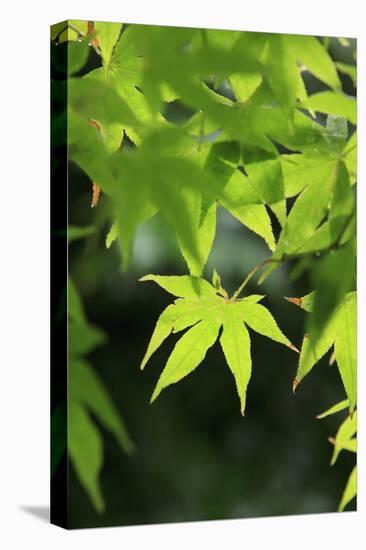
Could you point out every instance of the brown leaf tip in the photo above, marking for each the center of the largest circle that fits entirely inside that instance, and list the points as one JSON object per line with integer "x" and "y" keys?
{"x": 294, "y": 348}
{"x": 296, "y": 301}
{"x": 95, "y": 195}
{"x": 295, "y": 383}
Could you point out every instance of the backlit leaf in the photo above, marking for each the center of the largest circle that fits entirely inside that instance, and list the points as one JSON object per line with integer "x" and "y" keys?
{"x": 345, "y": 433}
{"x": 350, "y": 490}
{"x": 334, "y": 409}
{"x": 203, "y": 309}
{"x": 282, "y": 72}
{"x": 316, "y": 59}
{"x": 306, "y": 214}
{"x": 163, "y": 328}
{"x": 188, "y": 353}
{"x": 258, "y": 318}
{"x": 330, "y": 288}
{"x": 349, "y": 70}
{"x": 334, "y": 103}
{"x": 312, "y": 352}
{"x": 184, "y": 286}
{"x": 235, "y": 342}
{"x": 346, "y": 346}
{"x": 107, "y": 35}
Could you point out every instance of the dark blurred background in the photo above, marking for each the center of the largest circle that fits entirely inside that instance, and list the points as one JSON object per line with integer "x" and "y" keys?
{"x": 196, "y": 457}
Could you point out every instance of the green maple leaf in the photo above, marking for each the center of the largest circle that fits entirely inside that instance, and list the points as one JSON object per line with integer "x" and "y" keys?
{"x": 203, "y": 309}
{"x": 340, "y": 332}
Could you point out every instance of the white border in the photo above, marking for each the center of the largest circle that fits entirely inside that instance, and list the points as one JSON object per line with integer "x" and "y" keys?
{"x": 24, "y": 272}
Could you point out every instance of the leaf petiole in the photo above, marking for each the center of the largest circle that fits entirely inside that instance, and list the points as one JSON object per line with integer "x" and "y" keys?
{"x": 248, "y": 278}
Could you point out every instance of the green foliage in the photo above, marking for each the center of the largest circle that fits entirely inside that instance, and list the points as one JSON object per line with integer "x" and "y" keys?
{"x": 350, "y": 490}
{"x": 340, "y": 331}
{"x": 344, "y": 440}
{"x": 206, "y": 309}
{"x": 312, "y": 54}
{"x": 180, "y": 165}
{"x": 256, "y": 144}
{"x": 107, "y": 35}
{"x": 335, "y": 103}
{"x": 87, "y": 396}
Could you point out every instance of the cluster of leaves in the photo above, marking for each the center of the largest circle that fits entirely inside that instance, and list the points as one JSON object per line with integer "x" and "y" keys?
{"x": 344, "y": 440}
{"x": 87, "y": 396}
{"x": 340, "y": 332}
{"x": 256, "y": 145}
{"x": 227, "y": 154}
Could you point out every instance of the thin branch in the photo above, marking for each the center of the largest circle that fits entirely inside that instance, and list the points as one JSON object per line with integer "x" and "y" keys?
{"x": 248, "y": 278}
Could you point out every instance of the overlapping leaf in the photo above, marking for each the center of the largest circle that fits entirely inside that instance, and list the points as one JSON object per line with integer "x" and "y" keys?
{"x": 128, "y": 97}
{"x": 340, "y": 331}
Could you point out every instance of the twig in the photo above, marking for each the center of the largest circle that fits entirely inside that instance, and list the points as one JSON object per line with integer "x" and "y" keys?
{"x": 248, "y": 278}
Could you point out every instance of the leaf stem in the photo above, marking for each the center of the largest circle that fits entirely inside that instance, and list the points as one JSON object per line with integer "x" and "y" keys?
{"x": 248, "y": 278}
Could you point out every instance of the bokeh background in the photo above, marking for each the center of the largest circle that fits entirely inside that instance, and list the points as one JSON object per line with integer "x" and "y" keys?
{"x": 196, "y": 458}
